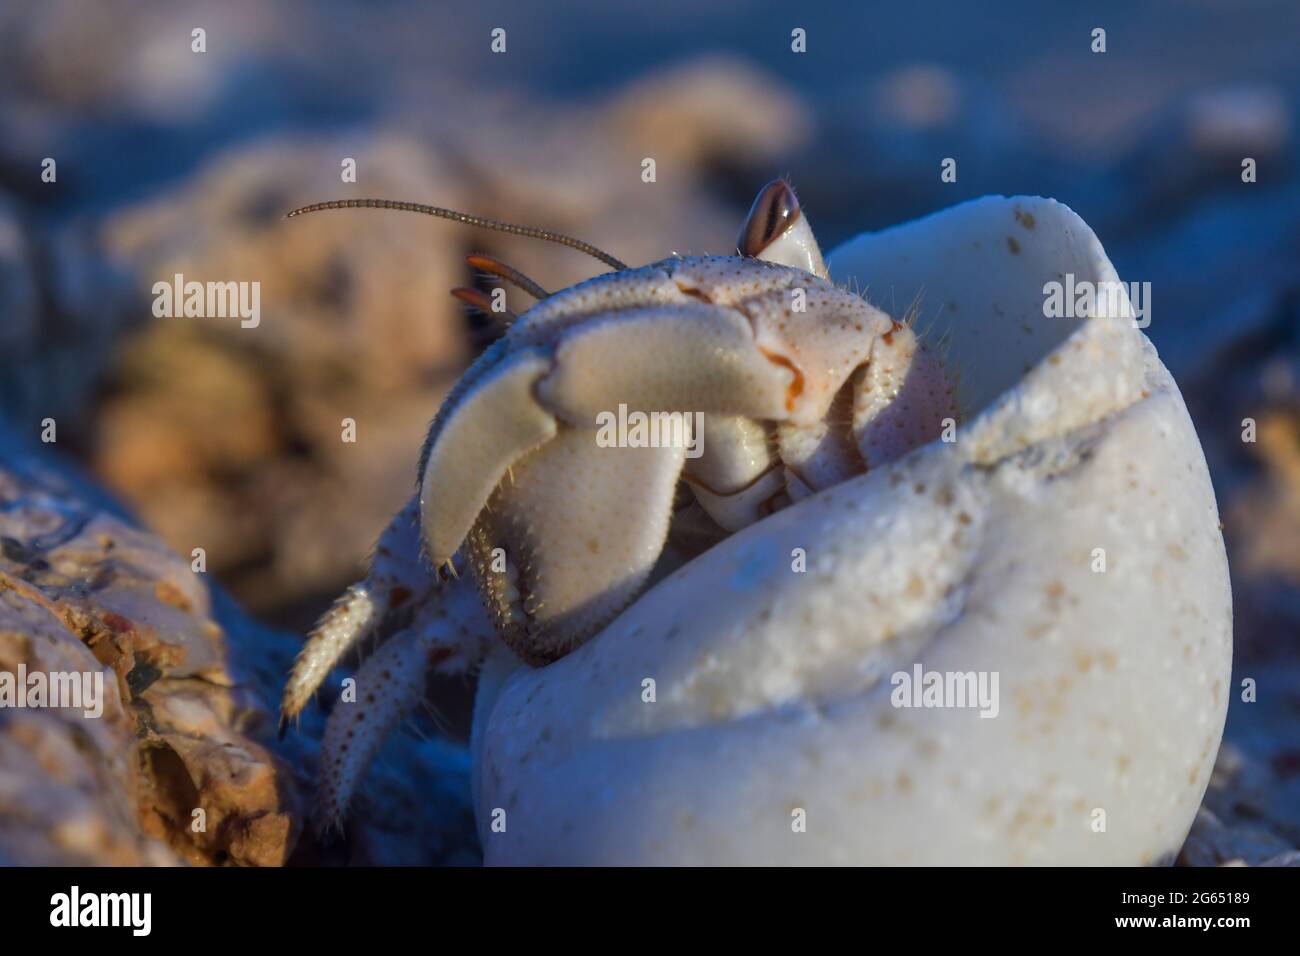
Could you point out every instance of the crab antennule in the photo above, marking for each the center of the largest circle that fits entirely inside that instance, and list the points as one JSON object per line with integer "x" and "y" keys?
{"x": 496, "y": 267}
{"x": 478, "y": 299}
{"x": 509, "y": 227}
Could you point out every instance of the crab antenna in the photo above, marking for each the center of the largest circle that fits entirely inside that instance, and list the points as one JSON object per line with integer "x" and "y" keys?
{"x": 441, "y": 213}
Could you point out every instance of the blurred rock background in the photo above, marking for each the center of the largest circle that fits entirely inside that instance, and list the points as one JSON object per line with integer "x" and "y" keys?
{"x": 225, "y": 438}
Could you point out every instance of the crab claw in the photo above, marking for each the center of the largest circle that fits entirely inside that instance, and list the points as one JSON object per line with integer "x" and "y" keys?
{"x": 517, "y": 473}
{"x": 473, "y": 445}
{"x": 557, "y": 554}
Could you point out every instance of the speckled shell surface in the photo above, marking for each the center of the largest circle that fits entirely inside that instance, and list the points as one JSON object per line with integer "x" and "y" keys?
{"x": 1067, "y": 541}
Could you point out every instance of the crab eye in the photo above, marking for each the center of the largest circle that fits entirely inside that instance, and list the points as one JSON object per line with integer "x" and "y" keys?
{"x": 774, "y": 211}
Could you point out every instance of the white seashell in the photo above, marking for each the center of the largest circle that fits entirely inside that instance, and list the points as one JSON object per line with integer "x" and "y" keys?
{"x": 773, "y": 688}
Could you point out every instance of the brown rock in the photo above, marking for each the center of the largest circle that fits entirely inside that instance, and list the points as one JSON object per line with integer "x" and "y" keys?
{"x": 169, "y": 771}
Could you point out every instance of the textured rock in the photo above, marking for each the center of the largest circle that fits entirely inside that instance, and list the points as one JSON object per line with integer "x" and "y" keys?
{"x": 190, "y": 685}
{"x": 84, "y": 591}
{"x": 66, "y": 787}
{"x": 973, "y": 556}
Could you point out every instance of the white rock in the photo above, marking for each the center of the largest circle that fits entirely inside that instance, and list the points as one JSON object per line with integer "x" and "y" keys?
{"x": 773, "y": 688}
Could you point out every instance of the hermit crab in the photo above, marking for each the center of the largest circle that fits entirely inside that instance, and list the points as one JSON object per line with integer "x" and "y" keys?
{"x": 717, "y": 654}
{"x": 787, "y": 384}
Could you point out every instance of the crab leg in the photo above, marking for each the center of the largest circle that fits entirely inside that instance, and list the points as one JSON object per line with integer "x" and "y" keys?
{"x": 396, "y": 575}
{"x": 451, "y": 635}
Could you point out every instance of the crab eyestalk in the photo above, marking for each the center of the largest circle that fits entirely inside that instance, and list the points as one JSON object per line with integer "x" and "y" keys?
{"x": 776, "y": 230}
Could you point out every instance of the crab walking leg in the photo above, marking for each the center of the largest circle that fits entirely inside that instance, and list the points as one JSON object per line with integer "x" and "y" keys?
{"x": 396, "y": 575}
{"x": 452, "y": 636}
{"x": 390, "y": 684}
